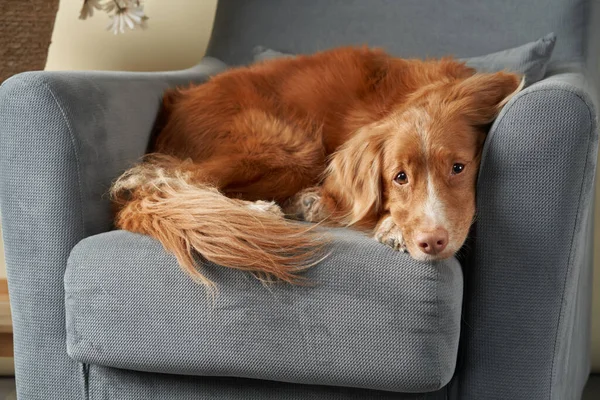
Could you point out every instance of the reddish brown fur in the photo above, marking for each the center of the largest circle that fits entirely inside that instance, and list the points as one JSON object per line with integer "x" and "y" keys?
{"x": 344, "y": 121}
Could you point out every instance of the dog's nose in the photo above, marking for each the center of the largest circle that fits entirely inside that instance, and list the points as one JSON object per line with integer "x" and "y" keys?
{"x": 432, "y": 242}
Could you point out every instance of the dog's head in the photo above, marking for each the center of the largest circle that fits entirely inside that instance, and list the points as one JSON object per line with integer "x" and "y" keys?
{"x": 421, "y": 163}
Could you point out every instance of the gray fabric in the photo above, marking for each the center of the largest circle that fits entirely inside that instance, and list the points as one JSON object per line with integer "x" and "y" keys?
{"x": 530, "y": 59}
{"x": 527, "y": 302}
{"x": 592, "y": 37}
{"x": 409, "y": 28}
{"x": 373, "y": 318}
{"x": 262, "y": 53}
{"x": 63, "y": 137}
{"x": 592, "y": 47}
{"x": 109, "y": 383}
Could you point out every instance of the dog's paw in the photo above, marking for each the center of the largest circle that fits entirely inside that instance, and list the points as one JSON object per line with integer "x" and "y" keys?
{"x": 389, "y": 234}
{"x": 306, "y": 206}
{"x": 266, "y": 206}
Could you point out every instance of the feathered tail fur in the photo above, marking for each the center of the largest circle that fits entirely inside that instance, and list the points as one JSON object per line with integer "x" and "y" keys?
{"x": 168, "y": 199}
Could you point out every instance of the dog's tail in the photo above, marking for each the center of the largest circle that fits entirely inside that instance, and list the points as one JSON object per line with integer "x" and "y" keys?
{"x": 168, "y": 199}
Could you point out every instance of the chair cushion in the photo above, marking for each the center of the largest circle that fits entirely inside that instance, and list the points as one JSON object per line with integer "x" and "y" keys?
{"x": 372, "y": 317}
{"x": 119, "y": 384}
{"x": 530, "y": 59}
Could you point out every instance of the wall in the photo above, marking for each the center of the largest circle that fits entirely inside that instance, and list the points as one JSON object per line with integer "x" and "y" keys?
{"x": 176, "y": 38}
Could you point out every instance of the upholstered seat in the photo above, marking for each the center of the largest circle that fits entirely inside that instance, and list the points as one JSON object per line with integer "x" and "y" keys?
{"x": 368, "y": 316}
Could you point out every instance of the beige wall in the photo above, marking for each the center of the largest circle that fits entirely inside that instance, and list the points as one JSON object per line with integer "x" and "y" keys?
{"x": 176, "y": 38}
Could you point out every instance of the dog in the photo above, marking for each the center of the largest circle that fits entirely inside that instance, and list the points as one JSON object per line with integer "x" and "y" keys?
{"x": 348, "y": 137}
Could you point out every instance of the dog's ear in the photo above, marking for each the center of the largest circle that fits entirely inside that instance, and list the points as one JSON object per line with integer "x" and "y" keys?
{"x": 353, "y": 176}
{"x": 482, "y": 96}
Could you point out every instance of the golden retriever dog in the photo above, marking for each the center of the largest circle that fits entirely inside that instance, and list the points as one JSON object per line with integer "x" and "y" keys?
{"x": 347, "y": 137}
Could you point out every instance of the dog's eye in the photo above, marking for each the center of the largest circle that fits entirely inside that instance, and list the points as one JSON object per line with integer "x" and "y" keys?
{"x": 457, "y": 168}
{"x": 401, "y": 178}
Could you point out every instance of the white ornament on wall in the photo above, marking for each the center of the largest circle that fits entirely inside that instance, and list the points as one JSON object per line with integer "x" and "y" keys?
{"x": 122, "y": 13}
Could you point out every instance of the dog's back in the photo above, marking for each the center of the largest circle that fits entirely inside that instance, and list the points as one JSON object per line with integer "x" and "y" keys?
{"x": 326, "y": 96}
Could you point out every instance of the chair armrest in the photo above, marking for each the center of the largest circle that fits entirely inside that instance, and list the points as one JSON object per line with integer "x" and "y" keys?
{"x": 528, "y": 290}
{"x": 64, "y": 136}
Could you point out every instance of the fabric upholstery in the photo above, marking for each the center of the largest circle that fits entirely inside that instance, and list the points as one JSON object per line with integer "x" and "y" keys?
{"x": 63, "y": 138}
{"x": 110, "y": 383}
{"x": 592, "y": 36}
{"x": 527, "y": 305}
{"x": 530, "y": 59}
{"x": 409, "y": 28}
{"x": 371, "y": 317}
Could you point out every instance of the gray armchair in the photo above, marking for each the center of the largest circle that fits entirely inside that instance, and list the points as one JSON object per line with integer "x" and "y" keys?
{"x": 101, "y": 314}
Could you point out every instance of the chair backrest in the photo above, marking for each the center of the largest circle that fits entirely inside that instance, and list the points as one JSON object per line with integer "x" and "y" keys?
{"x": 407, "y": 28}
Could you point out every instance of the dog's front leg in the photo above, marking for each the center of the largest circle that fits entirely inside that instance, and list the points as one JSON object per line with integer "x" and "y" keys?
{"x": 388, "y": 233}
{"x": 307, "y": 205}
